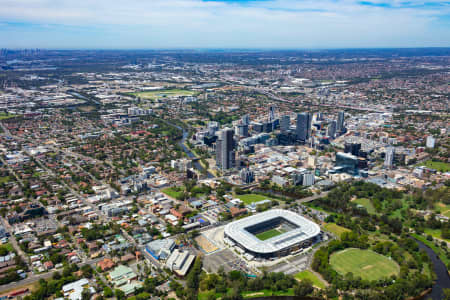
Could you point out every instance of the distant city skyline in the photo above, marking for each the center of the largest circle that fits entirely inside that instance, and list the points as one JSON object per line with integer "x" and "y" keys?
{"x": 263, "y": 24}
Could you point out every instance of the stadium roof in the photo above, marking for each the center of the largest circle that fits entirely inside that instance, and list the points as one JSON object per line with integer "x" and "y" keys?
{"x": 306, "y": 229}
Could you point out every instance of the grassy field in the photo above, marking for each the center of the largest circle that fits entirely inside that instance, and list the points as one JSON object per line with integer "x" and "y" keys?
{"x": 4, "y": 179}
{"x": 398, "y": 212}
{"x": 153, "y": 95}
{"x": 203, "y": 295}
{"x": 250, "y": 198}
{"x": 267, "y": 293}
{"x": 436, "y": 233}
{"x": 4, "y": 116}
{"x": 8, "y": 247}
{"x": 269, "y": 234}
{"x": 439, "y": 251}
{"x": 335, "y": 229}
{"x": 364, "y": 263}
{"x": 437, "y": 165}
{"x": 367, "y": 204}
{"x": 443, "y": 208}
{"x": 172, "y": 192}
{"x": 313, "y": 205}
{"x": 311, "y": 276}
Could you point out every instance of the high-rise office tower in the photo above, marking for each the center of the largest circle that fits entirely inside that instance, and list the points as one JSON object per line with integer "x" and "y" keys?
{"x": 348, "y": 161}
{"x": 308, "y": 129}
{"x": 389, "y": 157}
{"x": 242, "y": 130}
{"x": 271, "y": 114}
{"x": 303, "y": 126}
{"x": 332, "y": 128}
{"x": 212, "y": 127}
{"x": 225, "y": 155}
{"x": 340, "y": 122}
{"x": 285, "y": 123}
{"x": 353, "y": 148}
{"x": 245, "y": 119}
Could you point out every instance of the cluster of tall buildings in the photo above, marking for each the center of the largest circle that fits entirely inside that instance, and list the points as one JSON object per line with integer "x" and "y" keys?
{"x": 336, "y": 127}
{"x": 300, "y": 133}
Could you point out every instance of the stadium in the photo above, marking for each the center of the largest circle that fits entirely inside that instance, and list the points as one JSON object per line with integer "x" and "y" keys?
{"x": 272, "y": 233}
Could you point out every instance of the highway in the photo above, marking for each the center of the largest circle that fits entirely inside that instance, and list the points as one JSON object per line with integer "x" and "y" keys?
{"x": 269, "y": 94}
{"x": 277, "y": 98}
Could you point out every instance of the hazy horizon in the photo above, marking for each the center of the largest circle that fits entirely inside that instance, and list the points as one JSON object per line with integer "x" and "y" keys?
{"x": 237, "y": 49}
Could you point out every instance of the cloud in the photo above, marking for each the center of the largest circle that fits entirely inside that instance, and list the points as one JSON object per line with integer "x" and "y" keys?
{"x": 224, "y": 23}
{"x": 380, "y": 4}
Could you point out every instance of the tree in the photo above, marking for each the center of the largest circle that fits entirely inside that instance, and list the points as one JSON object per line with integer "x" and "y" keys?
{"x": 56, "y": 258}
{"x": 303, "y": 288}
{"x": 446, "y": 294}
{"x": 143, "y": 296}
{"x": 3, "y": 251}
{"x": 85, "y": 294}
{"x": 87, "y": 271}
{"x": 211, "y": 296}
{"x": 107, "y": 292}
{"x": 67, "y": 271}
{"x": 56, "y": 276}
{"x": 120, "y": 295}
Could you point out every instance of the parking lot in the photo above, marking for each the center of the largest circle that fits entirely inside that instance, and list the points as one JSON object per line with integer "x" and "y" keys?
{"x": 226, "y": 259}
{"x": 214, "y": 261}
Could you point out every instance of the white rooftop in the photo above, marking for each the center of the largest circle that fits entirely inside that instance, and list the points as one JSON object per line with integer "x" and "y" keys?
{"x": 306, "y": 229}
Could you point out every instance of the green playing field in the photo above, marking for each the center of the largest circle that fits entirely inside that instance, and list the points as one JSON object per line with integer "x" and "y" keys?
{"x": 269, "y": 234}
{"x": 152, "y": 95}
{"x": 364, "y": 263}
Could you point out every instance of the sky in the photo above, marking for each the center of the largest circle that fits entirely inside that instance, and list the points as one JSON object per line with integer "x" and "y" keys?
{"x": 198, "y": 24}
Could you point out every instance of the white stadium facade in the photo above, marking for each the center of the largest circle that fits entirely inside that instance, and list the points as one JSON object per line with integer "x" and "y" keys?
{"x": 293, "y": 232}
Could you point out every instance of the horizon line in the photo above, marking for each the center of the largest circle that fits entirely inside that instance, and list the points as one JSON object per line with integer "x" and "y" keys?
{"x": 228, "y": 48}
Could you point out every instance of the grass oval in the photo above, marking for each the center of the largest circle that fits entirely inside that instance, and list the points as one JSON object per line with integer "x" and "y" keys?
{"x": 367, "y": 264}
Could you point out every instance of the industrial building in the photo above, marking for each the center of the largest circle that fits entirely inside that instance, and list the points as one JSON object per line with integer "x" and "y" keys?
{"x": 160, "y": 249}
{"x": 179, "y": 262}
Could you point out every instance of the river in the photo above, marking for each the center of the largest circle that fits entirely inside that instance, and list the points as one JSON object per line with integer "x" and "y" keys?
{"x": 442, "y": 280}
{"x": 189, "y": 153}
{"x": 84, "y": 98}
